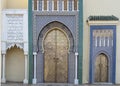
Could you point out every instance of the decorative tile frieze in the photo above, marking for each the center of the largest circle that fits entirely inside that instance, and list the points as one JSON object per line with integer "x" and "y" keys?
{"x": 55, "y": 13}
{"x": 103, "y": 38}
{"x": 41, "y": 19}
{"x": 58, "y": 5}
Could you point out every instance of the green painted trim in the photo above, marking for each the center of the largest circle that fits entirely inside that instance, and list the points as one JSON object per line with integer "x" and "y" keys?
{"x": 30, "y": 36}
{"x": 80, "y": 42}
{"x": 103, "y": 18}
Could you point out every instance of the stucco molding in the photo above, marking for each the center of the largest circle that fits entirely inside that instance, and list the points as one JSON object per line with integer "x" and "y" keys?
{"x": 103, "y": 22}
{"x": 15, "y": 29}
{"x": 3, "y": 52}
{"x": 14, "y": 11}
{"x": 10, "y": 45}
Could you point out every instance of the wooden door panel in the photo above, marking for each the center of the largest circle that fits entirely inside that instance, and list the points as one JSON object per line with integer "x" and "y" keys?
{"x": 104, "y": 69}
{"x": 56, "y": 53}
{"x": 49, "y": 55}
{"x": 62, "y": 54}
{"x": 97, "y": 70}
{"x": 101, "y": 68}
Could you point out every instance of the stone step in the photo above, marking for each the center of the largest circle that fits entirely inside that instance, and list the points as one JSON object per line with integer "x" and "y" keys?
{"x": 54, "y": 84}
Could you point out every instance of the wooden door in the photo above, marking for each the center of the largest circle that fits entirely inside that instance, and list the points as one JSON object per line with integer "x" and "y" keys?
{"x": 101, "y": 68}
{"x": 56, "y": 56}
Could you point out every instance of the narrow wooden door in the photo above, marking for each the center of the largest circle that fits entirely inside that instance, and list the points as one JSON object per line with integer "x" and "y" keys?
{"x": 56, "y": 56}
{"x": 101, "y": 68}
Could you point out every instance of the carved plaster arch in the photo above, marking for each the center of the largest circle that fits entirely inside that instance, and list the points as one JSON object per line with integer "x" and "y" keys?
{"x": 14, "y": 44}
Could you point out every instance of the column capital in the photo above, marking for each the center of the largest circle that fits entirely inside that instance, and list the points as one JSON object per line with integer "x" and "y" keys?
{"x": 3, "y": 52}
{"x": 25, "y": 53}
{"x": 76, "y": 53}
{"x": 34, "y": 53}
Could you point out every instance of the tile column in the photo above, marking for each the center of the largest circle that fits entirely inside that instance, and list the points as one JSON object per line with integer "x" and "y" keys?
{"x": 3, "y": 68}
{"x": 76, "y": 79}
{"x": 34, "y": 79}
{"x": 25, "y": 81}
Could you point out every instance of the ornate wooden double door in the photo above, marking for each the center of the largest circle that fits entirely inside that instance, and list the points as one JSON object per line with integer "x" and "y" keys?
{"x": 56, "y": 46}
{"x": 101, "y": 68}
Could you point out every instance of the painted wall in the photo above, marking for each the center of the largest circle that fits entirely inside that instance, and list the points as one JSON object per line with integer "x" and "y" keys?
{"x": 3, "y": 3}
{"x": 0, "y": 37}
{"x": 15, "y": 65}
{"x": 15, "y": 4}
{"x": 99, "y": 7}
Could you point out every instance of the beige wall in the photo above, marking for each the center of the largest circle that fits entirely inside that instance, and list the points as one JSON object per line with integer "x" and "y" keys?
{"x": 118, "y": 55}
{"x": 15, "y": 62}
{"x": 0, "y": 38}
{"x": 3, "y": 3}
{"x": 15, "y": 4}
{"x": 99, "y": 7}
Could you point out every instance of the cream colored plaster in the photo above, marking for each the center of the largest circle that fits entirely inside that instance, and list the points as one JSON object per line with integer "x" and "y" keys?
{"x": 86, "y": 37}
{"x": 0, "y": 38}
{"x": 15, "y": 65}
{"x": 103, "y": 22}
{"x": 99, "y": 7}
{"x": 118, "y": 55}
{"x": 3, "y": 3}
{"x": 15, "y": 4}
{"x": 102, "y": 7}
{"x": 86, "y": 46}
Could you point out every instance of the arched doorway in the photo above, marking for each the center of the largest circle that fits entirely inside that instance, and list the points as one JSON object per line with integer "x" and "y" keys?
{"x": 101, "y": 68}
{"x": 15, "y": 65}
{"x": 56, "y": 47}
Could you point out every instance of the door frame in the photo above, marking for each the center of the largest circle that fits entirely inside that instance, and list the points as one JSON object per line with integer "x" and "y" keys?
{"x": 109, "y": 66}
{"x": 40, "y": 51}
{"x": 110, "y": 52}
